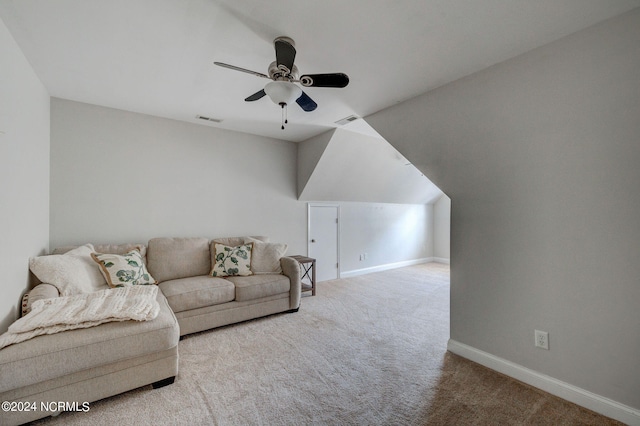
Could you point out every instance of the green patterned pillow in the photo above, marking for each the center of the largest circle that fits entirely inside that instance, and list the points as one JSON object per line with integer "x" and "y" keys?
{"x": 123, "y": 270}
{"x": 229, "y": 261}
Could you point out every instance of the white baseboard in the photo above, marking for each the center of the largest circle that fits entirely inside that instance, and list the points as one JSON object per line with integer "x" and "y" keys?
{"x": 444, "y": 260}
{"x": 584, "y": 398}
{"x": 385, "y": 267}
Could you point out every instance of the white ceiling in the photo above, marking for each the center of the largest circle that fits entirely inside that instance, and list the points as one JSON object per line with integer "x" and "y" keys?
{"x": 156, "y": 56}
{"x": 342, "y": 173}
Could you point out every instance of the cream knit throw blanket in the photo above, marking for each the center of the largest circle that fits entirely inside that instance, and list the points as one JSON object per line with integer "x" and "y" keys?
{"x": 85, "y": 310}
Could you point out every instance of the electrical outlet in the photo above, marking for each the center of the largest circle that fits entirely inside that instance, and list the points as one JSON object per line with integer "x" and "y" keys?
{"x": 542, "y": 339}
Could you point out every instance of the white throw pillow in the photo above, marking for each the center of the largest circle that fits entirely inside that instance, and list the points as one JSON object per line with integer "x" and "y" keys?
{"x": 265, "y": 257}
{"x": 71, "y": 273}
{"x": 230, "y": 261}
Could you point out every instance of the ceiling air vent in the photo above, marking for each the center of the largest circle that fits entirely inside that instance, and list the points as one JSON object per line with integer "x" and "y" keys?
{"x": 346, "y": 120}
{"x": 214, "y": 120}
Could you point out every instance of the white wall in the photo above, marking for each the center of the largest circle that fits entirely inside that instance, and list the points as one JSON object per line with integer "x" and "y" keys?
{"x": 540, "y": 156}
{"x": 309, "y": 153}
{"x": 24, "y": 174}
{"x": 118, "y": 176}
{"x": 390, "y": 234}
{"x": 442, "y": 229}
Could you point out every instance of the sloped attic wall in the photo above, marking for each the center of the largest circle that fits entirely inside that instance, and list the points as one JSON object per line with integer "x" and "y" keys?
{"x": 356, "y": 165}
{"x": 540, "y": 155}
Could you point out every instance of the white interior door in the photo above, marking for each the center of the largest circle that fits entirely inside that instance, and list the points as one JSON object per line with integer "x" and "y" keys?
{"x": 323, "y": 240}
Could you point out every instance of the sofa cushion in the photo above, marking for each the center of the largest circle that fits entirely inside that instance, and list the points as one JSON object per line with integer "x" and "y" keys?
{"x": 51, "y": 356}
{"x": 123, "y": 270}
{"x": 173, "y": 258}
{"x": 236, "y": 241}
{"x": 259, "y": 286}
{"x": 185, "y": 294}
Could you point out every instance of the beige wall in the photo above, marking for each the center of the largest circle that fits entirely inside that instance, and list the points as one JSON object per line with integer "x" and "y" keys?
{"x": 540, "y": 156}
{"x": 118, "y": 176}
{"x": 24, "y": 174}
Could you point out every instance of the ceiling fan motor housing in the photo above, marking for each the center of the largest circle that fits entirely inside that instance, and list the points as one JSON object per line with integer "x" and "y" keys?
{"x": 279, "y": 73}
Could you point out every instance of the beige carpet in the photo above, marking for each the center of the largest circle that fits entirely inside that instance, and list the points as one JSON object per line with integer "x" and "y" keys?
{"x": 368, "y": 350}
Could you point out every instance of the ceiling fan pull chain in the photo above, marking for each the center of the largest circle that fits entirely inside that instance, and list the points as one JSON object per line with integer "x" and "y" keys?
{"x": 282, "y": 104}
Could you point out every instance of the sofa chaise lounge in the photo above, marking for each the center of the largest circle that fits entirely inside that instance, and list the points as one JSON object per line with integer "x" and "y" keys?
{"x": 89, "y": 364}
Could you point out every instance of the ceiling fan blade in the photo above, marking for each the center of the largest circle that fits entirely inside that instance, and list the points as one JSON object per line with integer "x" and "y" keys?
{"x": 325, "y": 80}
{"x": 258, "y": 95}
{"x": 285, "y": 53}
{"x": 306, "y": 103}
{"x": 233, "y": 67}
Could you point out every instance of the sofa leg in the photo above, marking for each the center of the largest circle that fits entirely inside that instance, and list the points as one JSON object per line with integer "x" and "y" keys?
{"x": 164, "y": 382}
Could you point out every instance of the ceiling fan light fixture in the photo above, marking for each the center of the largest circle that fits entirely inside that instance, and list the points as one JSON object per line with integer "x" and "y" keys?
{"x": 282, "y": 92}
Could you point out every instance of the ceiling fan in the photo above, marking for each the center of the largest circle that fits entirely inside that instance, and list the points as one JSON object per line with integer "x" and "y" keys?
{"x": 282, "y": 90}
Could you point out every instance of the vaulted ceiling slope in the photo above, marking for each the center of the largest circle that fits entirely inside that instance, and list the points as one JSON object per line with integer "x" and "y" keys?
{"x": 156, "y": 56}
{"x": 355, "y": 163}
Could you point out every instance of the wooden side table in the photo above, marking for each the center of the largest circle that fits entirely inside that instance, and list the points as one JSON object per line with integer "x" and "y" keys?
{"x": 308, "y": 267}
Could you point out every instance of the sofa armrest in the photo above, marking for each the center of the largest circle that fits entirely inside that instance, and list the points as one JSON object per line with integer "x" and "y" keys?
{"x": 41, "y": 291}
{"x": 291, "y": 268}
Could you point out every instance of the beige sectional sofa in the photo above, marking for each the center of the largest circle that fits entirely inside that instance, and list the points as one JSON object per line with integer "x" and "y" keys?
{"x": 201, "y": 302}
{"x": 89, "y": 364}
